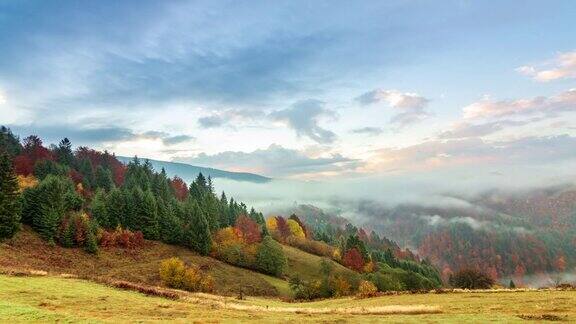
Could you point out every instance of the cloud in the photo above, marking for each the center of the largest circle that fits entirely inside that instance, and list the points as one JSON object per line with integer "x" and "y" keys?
{"x": 94, "y": 135}
{"x": 467, "y": 130}
{"x": 410, "y": 107}
{"x": 547, "y": 106}
{"x": 561, "y": 67}
{"x": 474, "y": 153}
{"x": 211, "y": 121}
{"x": 229, "y": 116}
{"x": 303, "y": 116}
{"x": 178, "y": 139}
{"x": 274, "y": 161}
{"x": 371, "y": 131}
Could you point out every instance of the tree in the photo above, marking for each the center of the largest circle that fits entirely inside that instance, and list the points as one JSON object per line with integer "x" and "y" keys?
{"x": 353, "y": 260}
{"x": 64, "y": 153}
{"x": 270, "y": 257}
{"x": 512, "y": 285}
{"x": 295, "y": 229}
{"x": 249, "y": 230}
{"x": 52, "y": 193}
{"x": 103, "y": 178}
{"x": 9, "y": 143}
{"x": 10, "y": 203}
{"x": 197, "y": 232}
{"x": 116, "y": 208}
{"x": 471, "y": 279}
{"x": 99, "y": 211}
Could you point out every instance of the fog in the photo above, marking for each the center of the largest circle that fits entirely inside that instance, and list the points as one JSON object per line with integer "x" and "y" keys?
{"x": 357, "y": 198}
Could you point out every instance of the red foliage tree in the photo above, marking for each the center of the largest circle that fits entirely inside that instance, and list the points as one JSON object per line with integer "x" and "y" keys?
{"x": 32, "y": 153}
{"x": 180, "y": 188}
{"x": 353, "y": 259}
{"x": 249, "y": 229}
{"x": 282, "y": 227}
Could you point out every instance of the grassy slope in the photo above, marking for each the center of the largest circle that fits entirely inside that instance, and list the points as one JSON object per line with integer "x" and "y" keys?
{"x": 42, "y": 299}
{"x": 28, "y": 251}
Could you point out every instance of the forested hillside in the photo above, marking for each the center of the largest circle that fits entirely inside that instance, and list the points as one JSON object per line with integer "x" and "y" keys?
{"x": 504, "y": 234}
{"x": 83, "y": 198}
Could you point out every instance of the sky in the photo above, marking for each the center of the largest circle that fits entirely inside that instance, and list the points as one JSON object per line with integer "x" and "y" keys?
{"x": 307, "y": 90}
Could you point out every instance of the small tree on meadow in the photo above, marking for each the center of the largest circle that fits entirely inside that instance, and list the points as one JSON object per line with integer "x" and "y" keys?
{"x": 270, "y": 257}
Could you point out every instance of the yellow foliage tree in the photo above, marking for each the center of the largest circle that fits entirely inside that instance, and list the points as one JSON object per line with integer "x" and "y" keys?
{"x": 172, "y": 272}
{"x": 25, "y": 182}
{"x": 272, "y": 224}
{"x": 295, "y": 228}
{"x": 367, "y": 289}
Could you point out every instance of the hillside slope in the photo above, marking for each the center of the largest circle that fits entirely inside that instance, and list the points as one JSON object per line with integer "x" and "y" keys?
{"x": 27, "y": 251}
{"x": 189, "y": 172}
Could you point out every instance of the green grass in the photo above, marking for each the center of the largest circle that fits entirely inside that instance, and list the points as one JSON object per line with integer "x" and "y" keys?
{"x": 307, "y": 265}
{"x": 50, "y": 299}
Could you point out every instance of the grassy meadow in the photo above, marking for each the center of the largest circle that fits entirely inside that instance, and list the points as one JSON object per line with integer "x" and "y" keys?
{"x": 48, "y": 299}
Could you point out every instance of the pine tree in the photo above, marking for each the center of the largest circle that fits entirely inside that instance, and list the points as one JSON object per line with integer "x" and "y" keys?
{"x": 91, "y": 245}
{"x": 86, "y": 169}
{"x": 147, "y": 220}
{"x": 64, "y": 153}
{"x": 67, "y": 239}
{"x": 52, "y": 199}
{"x": 10, "y": 203}
{"x": 99, "y": 211}
{"x": 512, "y": 285}
{"x": 197, "y": 233}
{"x": 103, "y": 179}
{"x": 9, "y": 142}
{"x": 116, "y": 208}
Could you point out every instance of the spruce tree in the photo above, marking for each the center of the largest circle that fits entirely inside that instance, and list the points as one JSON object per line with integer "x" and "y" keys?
{"x": 86, "y": 169}
{"x": 10, "y": 203}
{"x": 147, "y": 220}
{"x": 64, "y": 153}
{"x": 9, "y": 142}
{"x": 103, "y": 178}
{"x": 197, "y": 233}
{"x": 99, "y": 211}
{"x": 116, "y": 208}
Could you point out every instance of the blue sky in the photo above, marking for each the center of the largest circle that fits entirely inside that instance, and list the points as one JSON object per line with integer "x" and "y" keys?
{"x": 298, "y": 89}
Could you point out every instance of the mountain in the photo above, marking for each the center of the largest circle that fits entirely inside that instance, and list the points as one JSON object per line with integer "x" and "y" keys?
{"x": 189, "y": 172}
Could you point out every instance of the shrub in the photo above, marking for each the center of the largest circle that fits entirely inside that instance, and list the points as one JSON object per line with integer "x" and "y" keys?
{"x": 341, "y": 287}
{"x": 314, "y": 247}
{"x": 172, "y": 272}
{"x": 471, "y": 279}
{"x": 175, "y": 274}
{"x": 122, "y": 238}
{"x": 367, "y": 289}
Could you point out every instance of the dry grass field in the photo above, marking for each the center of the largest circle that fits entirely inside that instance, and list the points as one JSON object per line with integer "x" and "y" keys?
{"x": 48, "y": 299}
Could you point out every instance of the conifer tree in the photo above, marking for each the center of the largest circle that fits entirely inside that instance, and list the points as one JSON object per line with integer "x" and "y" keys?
{"x": 99, "y": 211}
{"x": 103, "y": 178}
{"x": 9, "y": 142}
{"x": 116, "y": 208}
{"x": 64, "y": 153}
{"x": 10, "y": 203}
{"x": 197, "y": 233}
{"x": 147, "y": 216}
{"x": 88, "y": 178}
{"x": 270, "y": 257}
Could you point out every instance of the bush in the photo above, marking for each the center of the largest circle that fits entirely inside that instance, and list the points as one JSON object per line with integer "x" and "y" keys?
{"x": 314, "y": 247}
{"x": 172, "y": 272}
{"x": 367, "y": 289}
{"x": 122, "y": 238}
{"x": 471, "y": 279}
{"x": 175, "y": 274}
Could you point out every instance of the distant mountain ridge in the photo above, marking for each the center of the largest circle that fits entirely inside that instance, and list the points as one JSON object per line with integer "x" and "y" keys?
{"x": 189, "y": 172}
